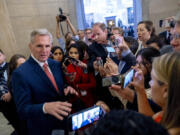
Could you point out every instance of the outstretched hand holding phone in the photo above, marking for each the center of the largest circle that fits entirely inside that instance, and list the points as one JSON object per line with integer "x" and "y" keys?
{"x": 123, "y": 45}
{"x": 138, "y": 80}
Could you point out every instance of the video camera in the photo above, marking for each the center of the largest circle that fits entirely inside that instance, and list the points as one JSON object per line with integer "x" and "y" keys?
{"x": 61, "y": 16}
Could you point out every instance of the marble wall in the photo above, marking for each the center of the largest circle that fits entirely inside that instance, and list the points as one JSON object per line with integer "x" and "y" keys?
{"x": 19, "y": 17}
{"x": 160, "y": 9}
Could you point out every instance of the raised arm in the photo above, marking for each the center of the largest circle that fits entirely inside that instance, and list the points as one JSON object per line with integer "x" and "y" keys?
{"x": 142, "y": 100}
{"x": 57, "y": 28}
{"x": 71, "y": 26}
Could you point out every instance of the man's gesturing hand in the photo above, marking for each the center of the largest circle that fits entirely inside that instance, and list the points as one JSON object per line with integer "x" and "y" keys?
{"x": 58, "y": 109}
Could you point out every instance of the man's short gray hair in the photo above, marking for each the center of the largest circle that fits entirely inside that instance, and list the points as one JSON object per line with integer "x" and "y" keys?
{"x": 41, "y": 32}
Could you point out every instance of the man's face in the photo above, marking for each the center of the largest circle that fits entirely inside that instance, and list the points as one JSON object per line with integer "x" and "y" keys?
{"x": 2, "y": 58}
{"x": 175, "y": 42}
{"x": 81, "y": 34}
{"x": 88, "y": 34}
{"x": 99, "y": 35}
{"x": 41, "y": 47}
{"x": 115, "y": 34}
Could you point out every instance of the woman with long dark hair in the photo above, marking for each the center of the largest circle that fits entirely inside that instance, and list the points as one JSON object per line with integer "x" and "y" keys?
{"x": 10, "y": 107}
{"x": 83, "y": 81}
{"x": 57, "y": 53}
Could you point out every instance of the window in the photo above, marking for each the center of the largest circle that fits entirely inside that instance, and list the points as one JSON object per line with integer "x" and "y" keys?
{"x": 111, "y": 12}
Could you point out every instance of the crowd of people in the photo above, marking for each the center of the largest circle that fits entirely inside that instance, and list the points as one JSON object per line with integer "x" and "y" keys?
{"x": 39, "y": 93}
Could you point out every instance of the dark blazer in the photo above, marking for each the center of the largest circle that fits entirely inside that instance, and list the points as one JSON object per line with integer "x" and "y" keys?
{"x": 97, "y": 50}
{"x": 163, "y": 36}
{"x": 130, "y": 60}
{"x": 32, "y": 88}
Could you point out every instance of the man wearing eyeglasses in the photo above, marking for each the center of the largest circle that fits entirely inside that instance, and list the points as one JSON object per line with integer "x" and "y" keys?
{"x": 175, "y": 42}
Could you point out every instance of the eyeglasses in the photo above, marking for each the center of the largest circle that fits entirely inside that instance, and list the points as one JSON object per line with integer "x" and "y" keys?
{"x": 175, "y": 36}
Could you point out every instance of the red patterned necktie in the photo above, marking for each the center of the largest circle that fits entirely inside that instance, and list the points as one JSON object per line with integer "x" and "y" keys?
{"x": 50, "y": 76}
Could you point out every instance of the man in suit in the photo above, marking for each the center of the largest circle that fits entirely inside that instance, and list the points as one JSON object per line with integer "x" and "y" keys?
{"x": 165, "y": 36}
{"x": 38, "y": 88}
{"x": 98, "y": 49}
{"x": 175, "y": 42}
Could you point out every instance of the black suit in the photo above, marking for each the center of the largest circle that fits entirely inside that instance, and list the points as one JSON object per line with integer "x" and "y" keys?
{"x": 96, "y": 50}
{"x": 130, "y": 60}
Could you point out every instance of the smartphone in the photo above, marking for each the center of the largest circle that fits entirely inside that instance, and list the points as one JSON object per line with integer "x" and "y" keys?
{"x": 110, "y": 49}
{"x": 99, "y": 61}
{"x": 111, "y": 52}
{"x": 108, "y": 81}
{"x": 84, "y": 118}
{"x": 166, "y": 23}
{"x": 118, "y": 41}
{"x": 127, "y": 78}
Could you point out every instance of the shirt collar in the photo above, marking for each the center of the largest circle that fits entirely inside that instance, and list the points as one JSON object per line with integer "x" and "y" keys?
{"x": 2, "y": 65}
{"x": 40, "y": 63}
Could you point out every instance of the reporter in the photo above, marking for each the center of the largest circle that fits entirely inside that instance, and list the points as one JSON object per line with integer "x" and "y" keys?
{"x": 145, "y": 31}
{"x": 7, "y": 104}
{"x": 126, "y": 57}
{"x": 166, "y": 73}
{"x": 144, "y": 63}
{"x": 57, "y": 53}
{"x": 83, "y": 82}
{"x": 165, "y": 90}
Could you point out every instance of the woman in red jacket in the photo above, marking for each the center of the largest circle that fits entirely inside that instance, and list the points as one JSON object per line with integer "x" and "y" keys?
{"x": 78, "y": 77}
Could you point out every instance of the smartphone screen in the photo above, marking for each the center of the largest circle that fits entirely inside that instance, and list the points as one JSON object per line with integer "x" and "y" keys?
{"x": 85, "y": 117}
{"x": 110, "y": 49}
{"x": 118, "y": 41}
{"x": 166, "y": 23}
{"x": 128, "y": 78}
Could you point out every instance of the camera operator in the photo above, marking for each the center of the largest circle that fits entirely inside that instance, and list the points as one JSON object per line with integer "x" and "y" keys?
{"x": 68, "y": 35}
{"x": 168, "y": 25}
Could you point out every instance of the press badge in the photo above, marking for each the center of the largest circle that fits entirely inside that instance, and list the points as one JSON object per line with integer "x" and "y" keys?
{"x": 83, "y": 93}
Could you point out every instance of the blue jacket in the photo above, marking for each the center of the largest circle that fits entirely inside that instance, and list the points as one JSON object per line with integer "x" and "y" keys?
{"x": 32, "y": 88}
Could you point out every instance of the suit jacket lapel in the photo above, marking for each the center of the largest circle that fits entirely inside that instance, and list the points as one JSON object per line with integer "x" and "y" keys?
{"x": 41, "y": 73}
{"x": 55, "y": 73}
